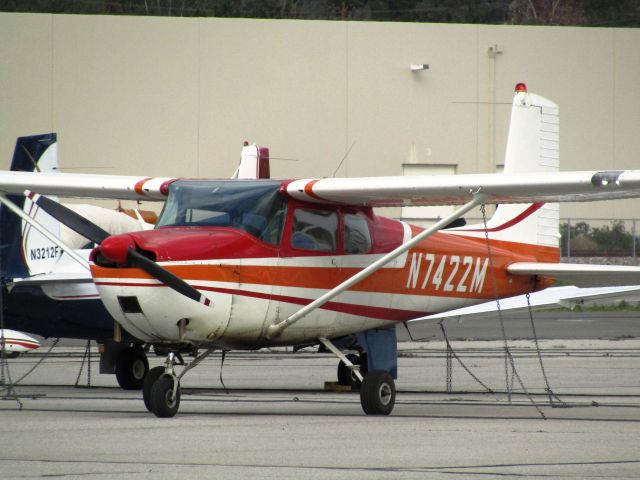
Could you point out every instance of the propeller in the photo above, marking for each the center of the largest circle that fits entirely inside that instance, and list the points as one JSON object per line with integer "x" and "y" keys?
{"x": 68, "y": 217}
{"x": 93, "y": 232}
{"x": 165, "y": 276}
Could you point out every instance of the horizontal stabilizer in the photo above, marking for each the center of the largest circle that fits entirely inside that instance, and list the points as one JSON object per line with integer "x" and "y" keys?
{"x": 581, "y": 275}
{"x": 55, "y": 278}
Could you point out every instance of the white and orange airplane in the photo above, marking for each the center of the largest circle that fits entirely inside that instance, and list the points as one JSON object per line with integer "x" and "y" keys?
{"x": 245, "y": 264}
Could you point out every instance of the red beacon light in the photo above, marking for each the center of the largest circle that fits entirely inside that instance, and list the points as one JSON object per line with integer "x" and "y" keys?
{"x": 521, "y": 87}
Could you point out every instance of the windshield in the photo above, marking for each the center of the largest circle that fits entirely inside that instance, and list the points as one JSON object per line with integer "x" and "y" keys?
{"x": 253, "y": 206}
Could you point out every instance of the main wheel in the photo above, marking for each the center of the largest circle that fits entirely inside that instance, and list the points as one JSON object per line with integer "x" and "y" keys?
{"x": 346, "y": 375}
{"x": 163, "y": 403}
{"x": 377, "y": 393}
{"x": 131, "y": 368}
{"x": 149, "y": 380}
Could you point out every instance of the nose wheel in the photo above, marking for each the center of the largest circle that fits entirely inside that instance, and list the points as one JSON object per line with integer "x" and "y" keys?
{"x": 161, "y": 388}
{"x": 164, "y": 398}
{"x": 154, "y": 374}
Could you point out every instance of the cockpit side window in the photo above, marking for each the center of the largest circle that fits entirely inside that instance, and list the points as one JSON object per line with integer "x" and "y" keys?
{"x": 314, "y": 230}
{"x": 357, "y": 238}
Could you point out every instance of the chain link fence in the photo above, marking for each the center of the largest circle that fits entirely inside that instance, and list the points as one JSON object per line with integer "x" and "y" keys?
{"x": 596, "y": 237}
{"x": 599, "y": 237}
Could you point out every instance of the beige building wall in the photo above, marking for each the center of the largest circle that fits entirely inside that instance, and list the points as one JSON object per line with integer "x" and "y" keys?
{"x": 176, "y": 97}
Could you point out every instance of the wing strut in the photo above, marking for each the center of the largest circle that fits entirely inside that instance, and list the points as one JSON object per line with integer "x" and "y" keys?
{"x": 50, "y": 236}
{"x": 277, "y": 328}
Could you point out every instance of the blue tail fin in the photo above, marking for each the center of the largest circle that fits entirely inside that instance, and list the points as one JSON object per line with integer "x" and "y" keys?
{"x": 32, "y": 153}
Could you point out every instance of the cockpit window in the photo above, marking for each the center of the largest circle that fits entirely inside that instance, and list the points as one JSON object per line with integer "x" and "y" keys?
{"x": 253, "y": 206}
{"x": 314, "y": 230}
{"x": 357, "y": 239}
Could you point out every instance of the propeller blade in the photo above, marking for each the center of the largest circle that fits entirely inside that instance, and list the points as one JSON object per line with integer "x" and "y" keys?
{"x": 68, "y": 217}
{"x": 91, "y": 231}
{"x": 165, "y": 276}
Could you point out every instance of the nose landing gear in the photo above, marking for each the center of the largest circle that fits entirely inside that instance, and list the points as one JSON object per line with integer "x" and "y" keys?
{"x": 131, "y": 368}
{"x": 161, "y": 389}
{"x": 165, "y": 396}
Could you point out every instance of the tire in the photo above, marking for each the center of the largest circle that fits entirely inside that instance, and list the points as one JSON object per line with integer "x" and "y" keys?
{"x": 131, "y": 368}
{"x": 160, "y": 398}
{"x": 378, "y": 393}
{"x": 345, "y": 375}
{"x": 149, "y": 380}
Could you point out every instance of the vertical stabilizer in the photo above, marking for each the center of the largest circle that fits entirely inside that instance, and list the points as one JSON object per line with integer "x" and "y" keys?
{"x": 254, "y": 163}
{"x": 23, "y": 250}
{"x": 533, "y": 145}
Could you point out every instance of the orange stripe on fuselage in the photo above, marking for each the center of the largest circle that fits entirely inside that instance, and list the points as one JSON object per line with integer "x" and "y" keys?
{"x": 445, "y": 265}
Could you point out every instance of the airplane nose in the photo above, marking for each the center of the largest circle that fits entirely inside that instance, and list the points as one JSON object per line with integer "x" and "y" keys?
{"x": 114, "y": 249}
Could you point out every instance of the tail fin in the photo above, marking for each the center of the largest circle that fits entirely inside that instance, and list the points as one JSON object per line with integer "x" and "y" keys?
{"x": 254, "y": 163}
{"x": 532, "y": 146}
{"x": 23, "y": 250}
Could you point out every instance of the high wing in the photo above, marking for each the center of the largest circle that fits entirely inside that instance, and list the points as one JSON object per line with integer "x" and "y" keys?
{"x": 254, "y": 164}
{"x": 82, "y": 185}
{"x": 556, "y": 297}
{"x": 573, "y": 186}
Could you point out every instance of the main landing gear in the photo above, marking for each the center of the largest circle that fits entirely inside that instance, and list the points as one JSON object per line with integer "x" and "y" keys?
{"x": 377, "y": 388}
{"x": 127, "y": 360}
{"x": 131, "y": 368}
{"x": 161, "y": 387}
{"x": 377, "y": 393}
{"x": 347, "y": 376}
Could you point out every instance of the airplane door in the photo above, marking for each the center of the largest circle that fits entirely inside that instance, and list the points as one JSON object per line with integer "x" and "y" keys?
{"x": 308, "y": 268}
{"x": 250, "y": 300}
{"x": 257, "y": 279}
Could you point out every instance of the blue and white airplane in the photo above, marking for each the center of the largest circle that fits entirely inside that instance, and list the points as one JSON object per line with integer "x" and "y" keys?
{"x": 46, "y": 292}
